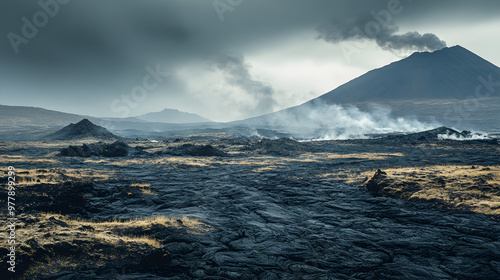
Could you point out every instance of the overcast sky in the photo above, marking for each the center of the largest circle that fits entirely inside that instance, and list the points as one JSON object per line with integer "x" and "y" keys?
{"x": 224, "y": 59}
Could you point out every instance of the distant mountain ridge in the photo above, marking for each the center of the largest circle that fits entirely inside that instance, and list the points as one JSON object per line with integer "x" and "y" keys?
{"x": 31, "y": 123}
{"x": 173, "y": 116}
{"x": 20, "y": 116}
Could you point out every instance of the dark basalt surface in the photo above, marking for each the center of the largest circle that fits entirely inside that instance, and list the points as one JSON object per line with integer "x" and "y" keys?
{"x": 271, "y": 227}
{"x": 63, "y": 198}
{"x": 289, "y": 222}
{"x": 193, "y": 150}
{"x": 278, "y": 147}
{"x": 116, "y": 149}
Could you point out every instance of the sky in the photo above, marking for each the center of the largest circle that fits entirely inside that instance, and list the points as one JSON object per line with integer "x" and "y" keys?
{"x": 222, "y": 59}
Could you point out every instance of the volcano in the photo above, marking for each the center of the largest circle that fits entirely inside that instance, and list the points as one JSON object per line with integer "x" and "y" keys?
{"x": 450, "y": 73}
{"x": 452, "y": 86}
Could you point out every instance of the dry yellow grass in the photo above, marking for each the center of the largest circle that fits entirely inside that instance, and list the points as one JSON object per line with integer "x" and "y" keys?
{"x": 190, "y": 161}
{"x": 99, "y": 242}
{"x": 476, "y": 188}
{"x": 265, "y": 168}
{"x": 463, "y": 187}
{"x": 12, "y": 160}
{"x": 350, "y": 176}
{"x": 368, "y": 156}
{"x": 144, "y": 188}
{"x": 259, "y": 161}
{"x": 192, "y": 226}
{"x": 26, "y": 177}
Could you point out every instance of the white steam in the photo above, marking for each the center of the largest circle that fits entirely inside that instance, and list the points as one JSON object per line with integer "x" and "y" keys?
{"x": 335, "y": 122}
{"x": 453, "y": 136}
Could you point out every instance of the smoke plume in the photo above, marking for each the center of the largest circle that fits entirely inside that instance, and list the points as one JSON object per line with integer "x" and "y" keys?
{"x": 237, "y": 74}
{"x": 383, "y": 34}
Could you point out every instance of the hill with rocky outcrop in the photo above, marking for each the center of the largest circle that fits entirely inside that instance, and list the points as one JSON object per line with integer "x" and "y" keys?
{"x": 82, "y": 130}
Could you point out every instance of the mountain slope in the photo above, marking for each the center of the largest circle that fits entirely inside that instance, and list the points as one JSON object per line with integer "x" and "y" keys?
{"x": 173, "y": 116}
{"x": 450, "y": 73}
{"x": 430, "y": 86}
{"x": 20, "y": 116}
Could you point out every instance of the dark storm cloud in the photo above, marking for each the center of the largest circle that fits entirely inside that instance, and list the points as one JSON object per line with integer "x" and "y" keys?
{"x": 141, "y": 32}
{"x": 83, "y": 30}
{"x": 96, "y": 50}
{"x": 147, "y": 28}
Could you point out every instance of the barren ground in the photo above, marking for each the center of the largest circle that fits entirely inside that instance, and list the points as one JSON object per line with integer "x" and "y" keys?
{"x": 265, "y": 210}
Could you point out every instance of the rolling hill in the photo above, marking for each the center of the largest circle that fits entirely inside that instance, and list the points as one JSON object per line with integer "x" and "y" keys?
{"x": 22, "y": 116}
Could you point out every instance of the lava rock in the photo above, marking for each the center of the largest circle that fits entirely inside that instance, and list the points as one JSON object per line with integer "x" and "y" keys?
{"x": 156, "y": 257}
{"x": 116, "y": 149}
{"x": 195, "y": 150}
{"x": 65, "y": 198}
{"x": 278, "y": 147}
{"x": 433, "y": 135}
{"x": 377, "y": 182}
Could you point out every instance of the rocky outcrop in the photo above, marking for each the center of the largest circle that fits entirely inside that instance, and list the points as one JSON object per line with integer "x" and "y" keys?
{"x": 194, "y": 150}
{"x": 376, "y": 184}
{"x": 116, "y": 149}
{"x": 381, "y": 184}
